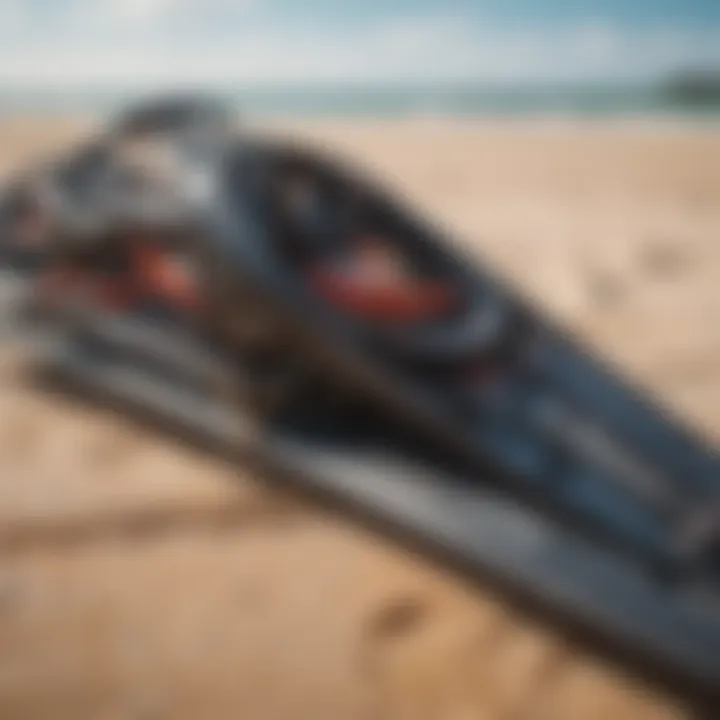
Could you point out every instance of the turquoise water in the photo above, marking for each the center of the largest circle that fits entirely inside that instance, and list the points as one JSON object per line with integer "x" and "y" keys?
{"x": 466, "y": 101}
{"x": 399, "y": 101}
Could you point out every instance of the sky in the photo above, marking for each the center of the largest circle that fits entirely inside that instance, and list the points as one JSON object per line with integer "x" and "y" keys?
{"x": 189, "y": 42}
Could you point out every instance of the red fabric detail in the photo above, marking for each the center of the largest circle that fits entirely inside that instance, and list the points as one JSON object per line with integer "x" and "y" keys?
{"x": 154, "y": 273}
{"x": 159, "y": 274}
{"x": 402, "y": 302}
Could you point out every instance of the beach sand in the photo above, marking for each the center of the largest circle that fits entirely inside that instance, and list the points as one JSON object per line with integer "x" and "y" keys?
{"x": 140, "y": 579}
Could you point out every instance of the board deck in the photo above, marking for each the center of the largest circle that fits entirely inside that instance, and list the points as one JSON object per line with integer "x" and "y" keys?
{"x": 674, "y": 628}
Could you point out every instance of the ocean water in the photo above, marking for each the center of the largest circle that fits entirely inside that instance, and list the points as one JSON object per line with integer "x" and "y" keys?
{"x": 463, "y": 101}
{"x": 467, "y": 102}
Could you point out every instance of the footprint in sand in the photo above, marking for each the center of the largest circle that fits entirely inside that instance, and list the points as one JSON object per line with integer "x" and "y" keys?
{"x": 428, "y": 661}
{"x": 664, "y": 260}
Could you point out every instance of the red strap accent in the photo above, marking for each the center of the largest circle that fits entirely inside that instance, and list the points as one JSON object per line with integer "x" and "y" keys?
{"x": 160, "y": 275}
{"x": 406, "y": 302}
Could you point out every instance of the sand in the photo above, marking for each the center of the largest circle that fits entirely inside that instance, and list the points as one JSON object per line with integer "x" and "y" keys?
{"x": 139, "y": 579}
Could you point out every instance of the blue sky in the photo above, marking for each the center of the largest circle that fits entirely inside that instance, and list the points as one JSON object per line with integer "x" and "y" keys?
{"x": 146, "y": 42}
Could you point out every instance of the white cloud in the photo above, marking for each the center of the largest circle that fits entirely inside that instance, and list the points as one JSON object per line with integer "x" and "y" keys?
{"x": 139, "y": 11}
{"x": 150, "y": 16}
{"x": 13, "y": 16}
{"x": 414, "y": 48}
